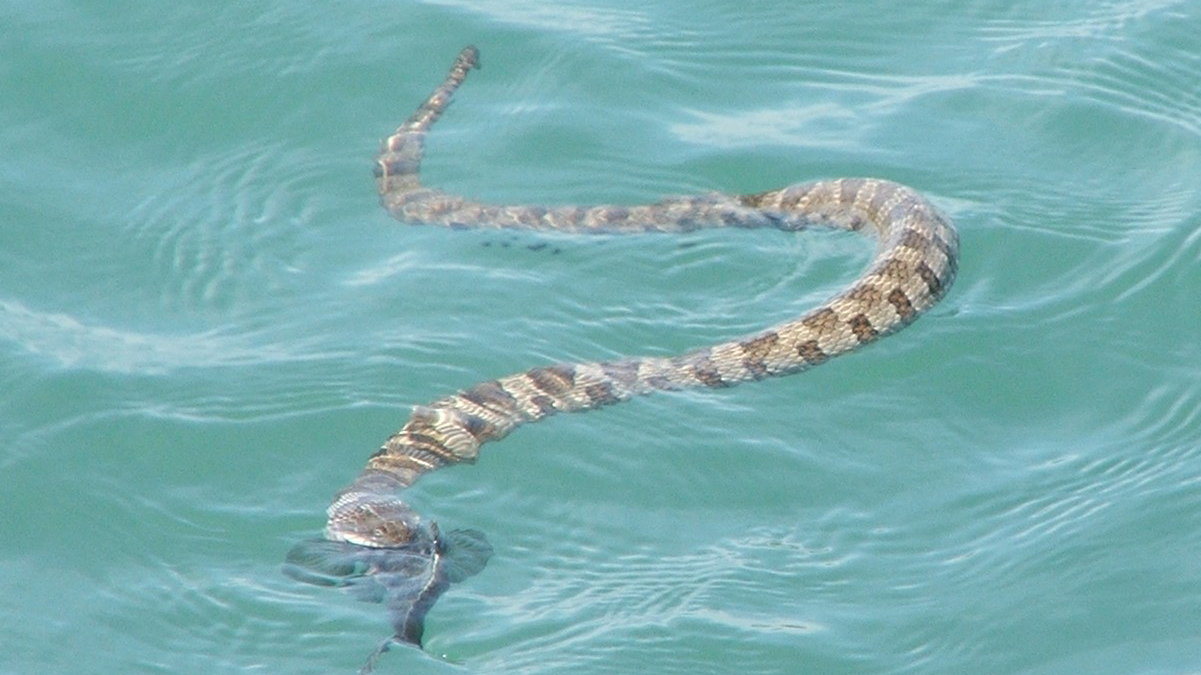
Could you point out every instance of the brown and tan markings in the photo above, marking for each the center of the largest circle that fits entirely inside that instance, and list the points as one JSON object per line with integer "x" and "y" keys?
{"x": 914, "y": 266}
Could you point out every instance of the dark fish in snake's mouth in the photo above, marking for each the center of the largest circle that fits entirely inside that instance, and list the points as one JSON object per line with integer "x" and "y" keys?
{"x": 407, "y": 579}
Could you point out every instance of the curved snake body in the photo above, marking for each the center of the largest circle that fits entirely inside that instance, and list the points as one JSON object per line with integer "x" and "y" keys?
{"x": 913, "y": 268}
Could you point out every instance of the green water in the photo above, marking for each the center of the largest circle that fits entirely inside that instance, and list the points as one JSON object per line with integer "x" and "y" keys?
{"x": 207, "y": 324}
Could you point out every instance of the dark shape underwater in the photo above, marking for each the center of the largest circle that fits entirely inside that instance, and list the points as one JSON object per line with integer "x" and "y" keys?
{"x": 406, "y": 579}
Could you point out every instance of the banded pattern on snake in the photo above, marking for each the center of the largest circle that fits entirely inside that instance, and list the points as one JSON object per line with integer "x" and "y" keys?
{"x": 914, "y": 266}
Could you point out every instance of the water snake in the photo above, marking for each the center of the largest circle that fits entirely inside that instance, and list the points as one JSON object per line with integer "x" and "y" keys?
{"x": 377, "y": 545}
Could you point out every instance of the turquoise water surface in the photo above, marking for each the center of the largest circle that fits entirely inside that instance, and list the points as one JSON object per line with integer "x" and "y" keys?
{"x": 207, "y": 324}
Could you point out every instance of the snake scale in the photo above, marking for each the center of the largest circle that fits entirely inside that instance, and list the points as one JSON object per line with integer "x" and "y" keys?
{"x": 914, "y": 266}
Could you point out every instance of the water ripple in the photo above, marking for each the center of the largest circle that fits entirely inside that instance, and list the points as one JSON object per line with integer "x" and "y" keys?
{"x": 225, "y": 224}
{"x": 1092, "y": 54}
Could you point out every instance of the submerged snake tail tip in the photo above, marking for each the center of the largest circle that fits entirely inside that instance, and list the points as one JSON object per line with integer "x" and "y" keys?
{"x": 399, "y": 160}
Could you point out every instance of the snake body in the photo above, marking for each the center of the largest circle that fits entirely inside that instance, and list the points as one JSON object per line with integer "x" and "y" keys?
{"x": 914, "y": 266}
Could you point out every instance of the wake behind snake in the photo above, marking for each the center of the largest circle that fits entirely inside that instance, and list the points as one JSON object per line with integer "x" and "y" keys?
{"x": 914, "y": 266}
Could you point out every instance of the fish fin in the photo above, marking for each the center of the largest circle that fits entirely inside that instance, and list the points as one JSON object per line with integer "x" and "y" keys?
{"x": 322, "y": 562}
{"x": 336, "y": 564}
{"x": 466, "y": 552}
{"x": 369, "y": 667}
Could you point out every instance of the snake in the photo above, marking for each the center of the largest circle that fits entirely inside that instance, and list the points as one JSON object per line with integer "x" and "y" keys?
{"x": 370, "y": 527}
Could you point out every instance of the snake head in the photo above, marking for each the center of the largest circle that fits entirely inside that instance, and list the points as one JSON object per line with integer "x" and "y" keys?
{"x": 374, "y": 520}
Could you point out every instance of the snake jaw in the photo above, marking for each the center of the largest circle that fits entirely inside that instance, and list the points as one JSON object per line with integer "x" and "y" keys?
{"x": 373, "y": 520}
